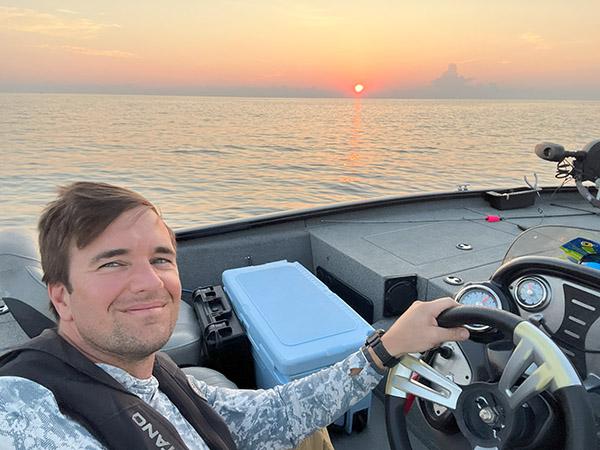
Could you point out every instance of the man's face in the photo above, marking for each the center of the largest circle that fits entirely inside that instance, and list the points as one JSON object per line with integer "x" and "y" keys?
{"x": 125, "y": 290}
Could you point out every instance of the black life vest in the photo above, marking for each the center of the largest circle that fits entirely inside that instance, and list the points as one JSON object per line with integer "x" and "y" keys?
{"x": 116, "y": 417}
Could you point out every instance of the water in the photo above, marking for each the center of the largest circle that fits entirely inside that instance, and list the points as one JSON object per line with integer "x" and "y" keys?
{"x": 204, "y": 160}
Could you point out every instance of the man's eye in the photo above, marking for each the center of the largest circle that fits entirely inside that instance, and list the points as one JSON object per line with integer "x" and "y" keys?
{"x": 111, "y": 264}
{"x": 161, "y": 261}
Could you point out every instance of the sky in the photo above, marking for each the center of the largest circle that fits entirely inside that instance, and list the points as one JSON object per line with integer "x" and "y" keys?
{"x": 535, "y": 49}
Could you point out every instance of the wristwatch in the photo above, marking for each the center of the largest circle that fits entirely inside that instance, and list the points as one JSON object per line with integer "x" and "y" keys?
{"x": 374, "y": 341}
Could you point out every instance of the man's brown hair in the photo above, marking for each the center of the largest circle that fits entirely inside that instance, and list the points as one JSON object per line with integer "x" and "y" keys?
{"x": 81, "y": 212}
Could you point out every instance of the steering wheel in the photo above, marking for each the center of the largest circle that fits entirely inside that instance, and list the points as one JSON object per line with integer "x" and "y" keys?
{"x": 490, "y": 415}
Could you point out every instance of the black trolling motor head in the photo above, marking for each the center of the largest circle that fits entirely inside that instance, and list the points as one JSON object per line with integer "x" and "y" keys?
{"x": 584, "y": 166}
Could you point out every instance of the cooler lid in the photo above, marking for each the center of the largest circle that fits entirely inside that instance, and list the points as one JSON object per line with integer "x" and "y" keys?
{"x": 293, "y": 317}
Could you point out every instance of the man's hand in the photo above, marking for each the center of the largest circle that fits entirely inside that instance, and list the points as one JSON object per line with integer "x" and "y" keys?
{"x": 417, "y": 329}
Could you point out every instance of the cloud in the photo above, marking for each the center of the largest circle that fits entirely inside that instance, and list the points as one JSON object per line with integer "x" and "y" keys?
{"x": 89, "y": 51}
{"x": 536, "y": 40}
{"x": 449, "y": 85}
{"x": 68, "y": 11}
{"x": 453, "y": 85}
{"x": 30, "y": 21}
{"x": 450, "y": 79}
{"x": 310, "y": 17}
{"x": 217, "y": 91}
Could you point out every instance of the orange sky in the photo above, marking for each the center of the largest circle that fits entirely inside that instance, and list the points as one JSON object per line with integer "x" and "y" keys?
{"x": 433, "y": 48}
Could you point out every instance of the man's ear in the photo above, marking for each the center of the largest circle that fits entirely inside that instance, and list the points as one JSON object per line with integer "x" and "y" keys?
{"x": 61, "y": 299}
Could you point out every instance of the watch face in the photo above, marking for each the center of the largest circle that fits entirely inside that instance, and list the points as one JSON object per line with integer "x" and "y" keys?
{"x": 375, "y": 336}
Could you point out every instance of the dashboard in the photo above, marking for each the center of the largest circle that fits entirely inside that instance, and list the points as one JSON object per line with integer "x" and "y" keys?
{"x": 561, "y": 297}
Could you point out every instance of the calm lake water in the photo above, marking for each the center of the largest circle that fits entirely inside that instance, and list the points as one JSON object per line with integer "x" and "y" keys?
{"x": 204, "y": 160}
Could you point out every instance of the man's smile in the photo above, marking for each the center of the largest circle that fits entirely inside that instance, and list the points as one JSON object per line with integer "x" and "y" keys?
{"x": 144, "y": 308}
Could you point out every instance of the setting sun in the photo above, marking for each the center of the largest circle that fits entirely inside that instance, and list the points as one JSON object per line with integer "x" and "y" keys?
{"x": 358, "y": 88}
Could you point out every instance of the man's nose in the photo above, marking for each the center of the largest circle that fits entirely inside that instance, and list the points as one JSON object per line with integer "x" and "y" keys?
{"x": 146, "y": 278}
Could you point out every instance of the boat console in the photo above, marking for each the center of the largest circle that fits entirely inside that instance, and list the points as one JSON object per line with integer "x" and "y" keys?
{"x": 520, "y": 258}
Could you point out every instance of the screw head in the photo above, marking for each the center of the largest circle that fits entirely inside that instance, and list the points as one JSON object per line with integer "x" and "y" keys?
{"x": 487, "y": 415}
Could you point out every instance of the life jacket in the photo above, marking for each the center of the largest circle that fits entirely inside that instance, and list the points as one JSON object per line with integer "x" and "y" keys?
{"x": 113, "y": 415}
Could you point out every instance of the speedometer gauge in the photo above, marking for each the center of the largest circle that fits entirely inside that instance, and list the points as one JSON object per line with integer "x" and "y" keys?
{"x": 532, "y": 293}
{"x": 478, "y": 295}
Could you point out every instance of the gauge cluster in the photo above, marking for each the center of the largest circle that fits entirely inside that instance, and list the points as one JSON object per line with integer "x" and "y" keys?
{"x": 559, "y": 297}
{"x": 532, "y": 293}
{"x": 478, "y": 295}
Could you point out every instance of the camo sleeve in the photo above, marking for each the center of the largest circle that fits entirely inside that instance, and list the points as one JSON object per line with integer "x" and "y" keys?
{"x": 281, "y": 417}
{"x": 29, "y": 418}
{"x": 277, "y": 418}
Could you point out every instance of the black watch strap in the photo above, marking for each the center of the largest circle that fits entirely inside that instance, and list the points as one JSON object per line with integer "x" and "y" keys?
{"x": 365, "y": 351}
{"x": 374, "y": 341}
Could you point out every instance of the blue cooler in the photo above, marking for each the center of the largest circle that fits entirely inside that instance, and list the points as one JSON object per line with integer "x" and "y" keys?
{"x": 295, "y": 324}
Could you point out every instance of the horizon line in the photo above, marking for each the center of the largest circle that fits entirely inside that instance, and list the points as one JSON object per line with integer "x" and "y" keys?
{"x": 299, "y": 95}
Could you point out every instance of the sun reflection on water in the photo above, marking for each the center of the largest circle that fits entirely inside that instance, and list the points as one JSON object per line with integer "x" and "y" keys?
{"x": 205, "y": 160}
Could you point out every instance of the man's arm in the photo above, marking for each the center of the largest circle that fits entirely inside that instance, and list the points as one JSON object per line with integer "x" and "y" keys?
{"x": 286, "y": 414}
{"x": 30, "y": 418}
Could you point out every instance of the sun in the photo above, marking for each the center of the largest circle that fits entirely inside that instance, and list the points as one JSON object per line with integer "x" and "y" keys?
{"x": 358, "y": 88}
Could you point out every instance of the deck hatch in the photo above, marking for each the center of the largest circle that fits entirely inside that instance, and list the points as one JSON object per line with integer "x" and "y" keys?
{"x": 437, "y": 241}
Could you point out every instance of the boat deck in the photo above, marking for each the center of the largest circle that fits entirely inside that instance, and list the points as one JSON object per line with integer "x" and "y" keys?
{"x": 376, "y": 253}
{"x": 381, "y": 255}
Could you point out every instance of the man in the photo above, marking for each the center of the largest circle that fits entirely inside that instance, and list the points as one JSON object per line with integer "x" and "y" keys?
{"x": 97, "y": 382}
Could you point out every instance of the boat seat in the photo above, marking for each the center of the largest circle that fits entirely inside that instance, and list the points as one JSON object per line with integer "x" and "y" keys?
{"x": 185, "y": 345}
{"x": 26, "y": 296}
{"x": 21, "y": 271}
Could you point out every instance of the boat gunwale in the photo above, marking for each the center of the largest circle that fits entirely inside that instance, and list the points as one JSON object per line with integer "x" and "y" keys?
{"x": 186, "y": 234}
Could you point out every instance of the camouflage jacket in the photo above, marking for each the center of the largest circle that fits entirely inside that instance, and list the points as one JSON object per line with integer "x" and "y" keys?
{"x": 277, "y": 418}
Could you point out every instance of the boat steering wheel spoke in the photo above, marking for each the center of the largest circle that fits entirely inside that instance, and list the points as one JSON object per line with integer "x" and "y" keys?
{"x": 497, "y": 414}
{"x": 440, "y": 389}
